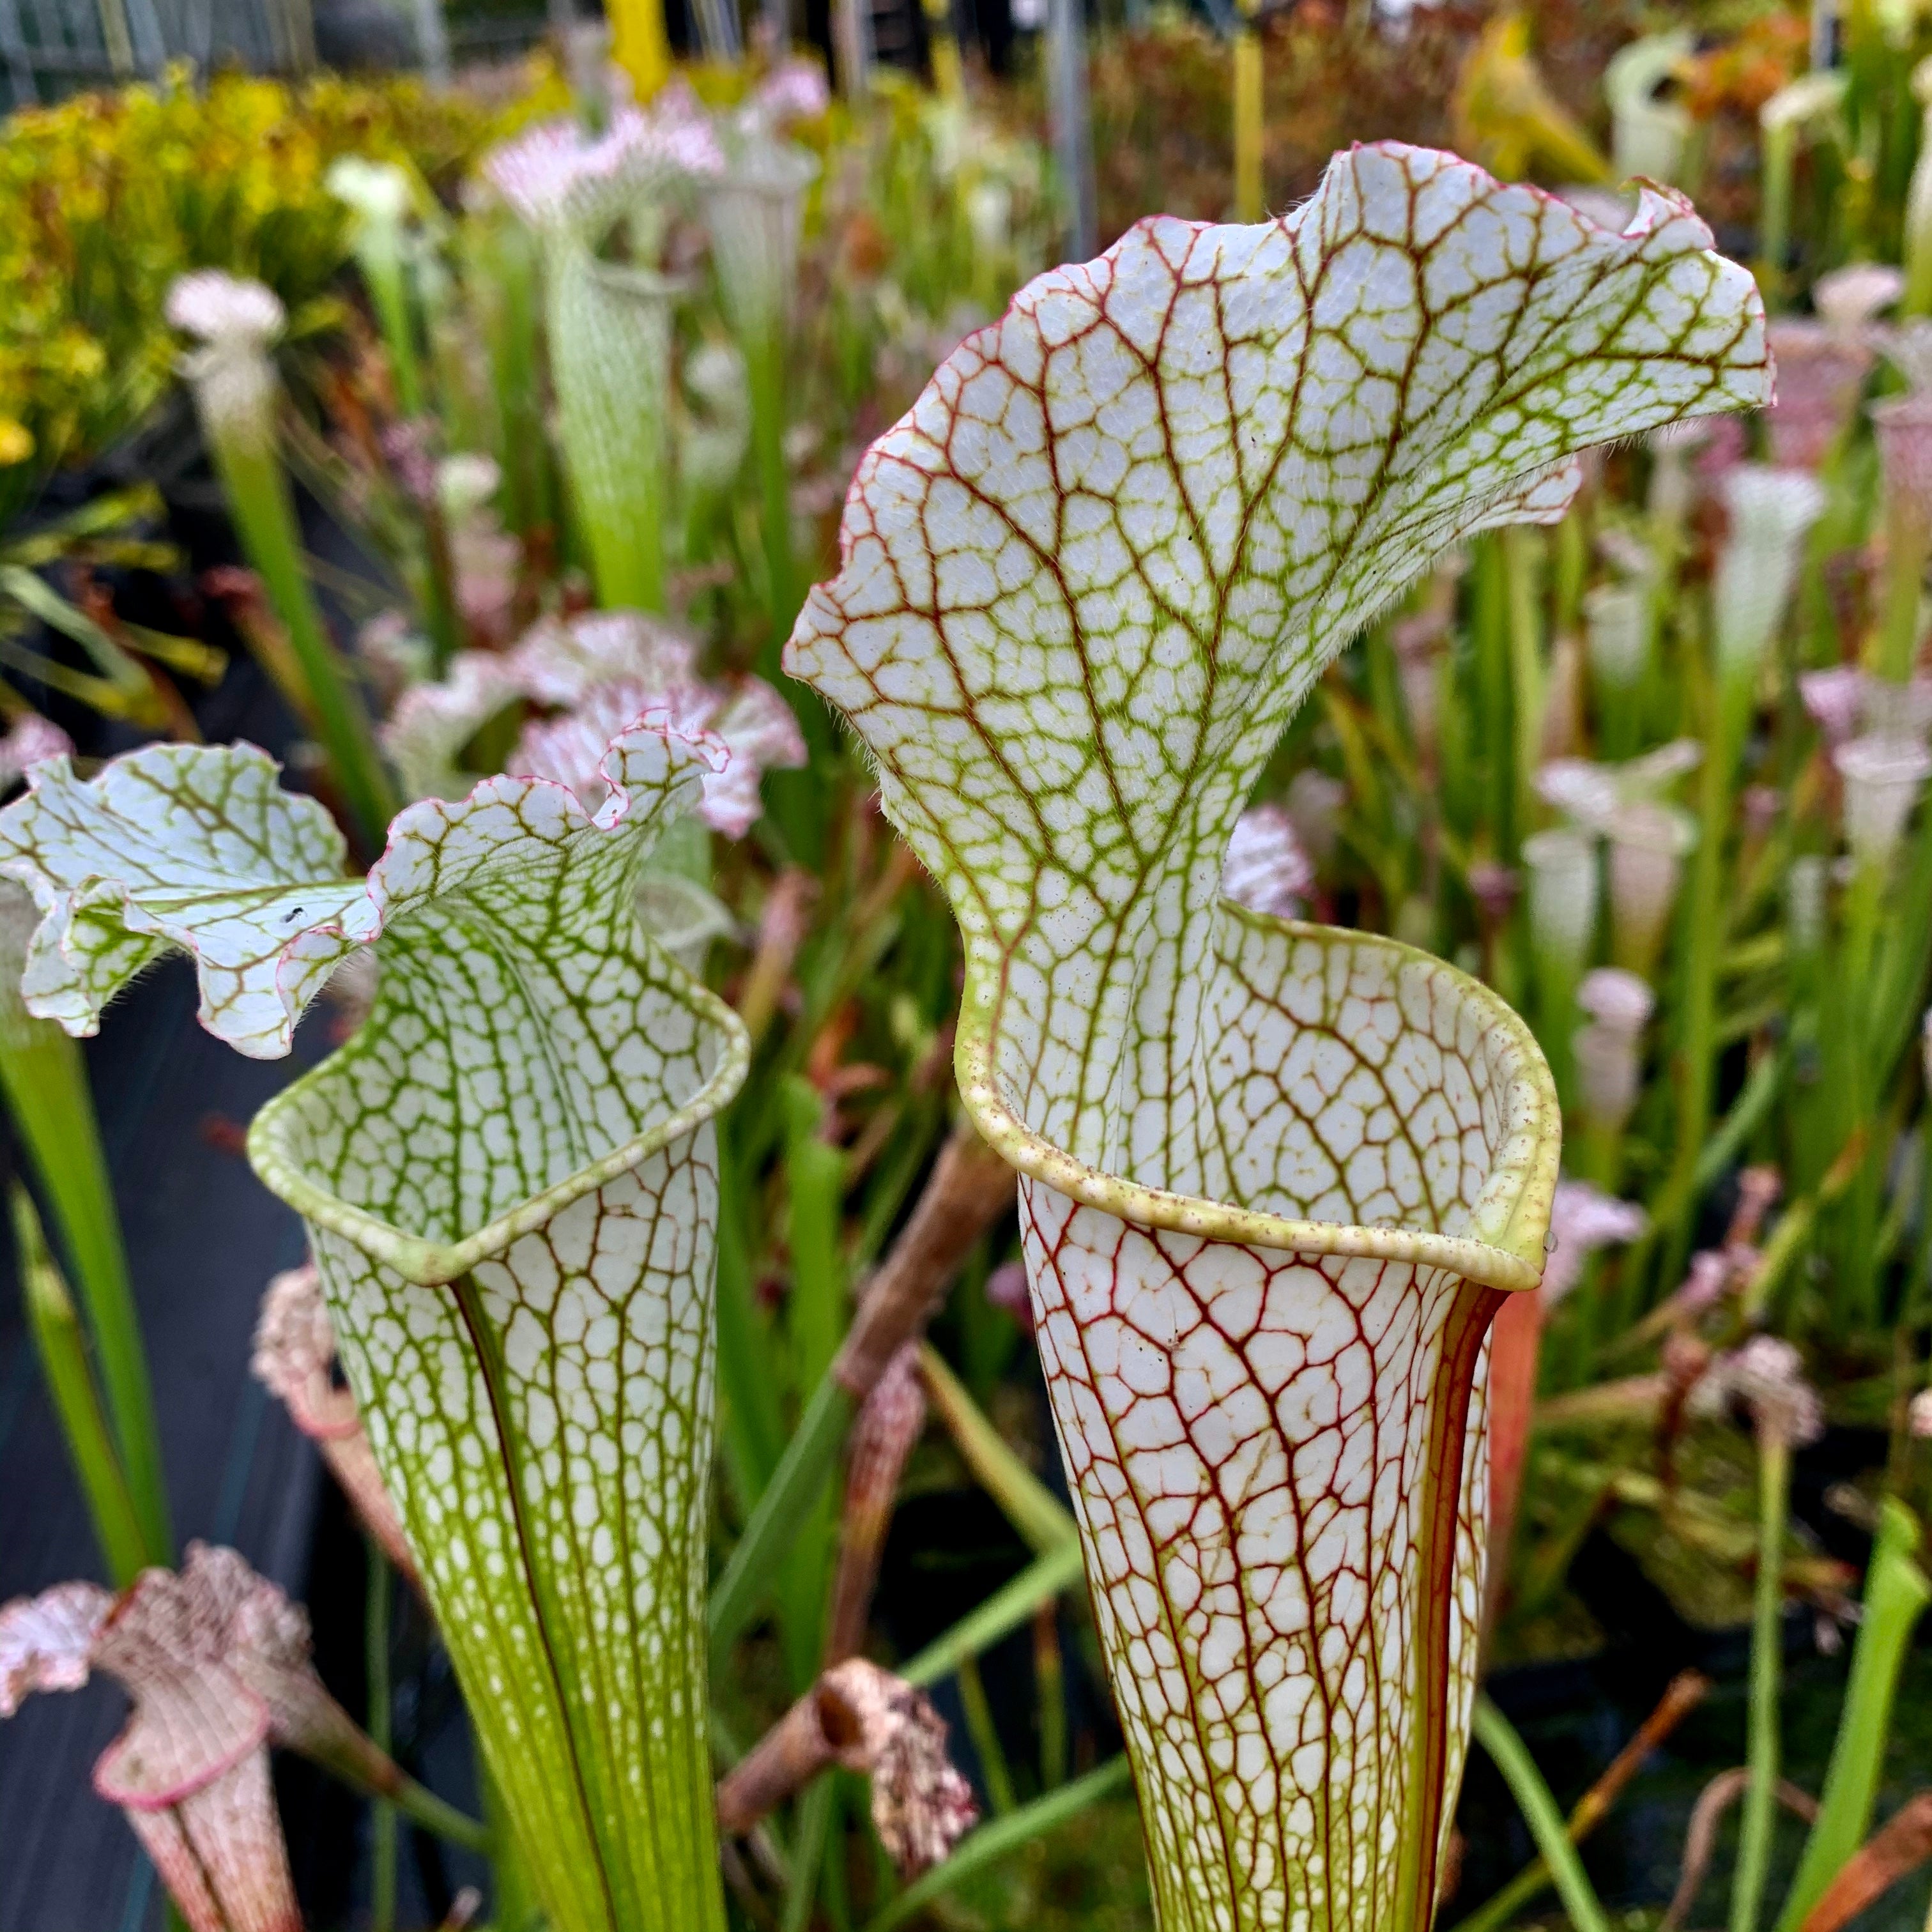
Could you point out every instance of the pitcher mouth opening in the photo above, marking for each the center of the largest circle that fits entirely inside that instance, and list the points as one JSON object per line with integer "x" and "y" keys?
{"x": 436, "y": 1263}
{"x": 1509, "y": 1219}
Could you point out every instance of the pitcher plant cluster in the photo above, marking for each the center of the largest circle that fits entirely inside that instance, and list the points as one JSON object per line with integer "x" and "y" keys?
{"x": 1421, "y": 1099}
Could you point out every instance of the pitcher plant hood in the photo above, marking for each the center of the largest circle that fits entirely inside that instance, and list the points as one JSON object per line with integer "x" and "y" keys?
{"x": 1274, "y": 1177}
{"x": 509, "y": 1175}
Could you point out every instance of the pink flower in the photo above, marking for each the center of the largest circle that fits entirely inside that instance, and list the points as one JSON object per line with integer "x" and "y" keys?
{"x": 1836, "y": 700}
{"x": 601, "y": 672}
{"x": 1583, "y": 1219}
{"x": 753, "y": 726}
{"x": 1767, "y": 1375}
{"x": 1819, "y": 373}
{"x": 556, "y": 174}
{"x": 190, "y": 1768}
{"x": 1266, "y": 869}
{"x": 30, "y": 738}
{"x": 794, "y": 90}
{"x": 216, "y": 1659}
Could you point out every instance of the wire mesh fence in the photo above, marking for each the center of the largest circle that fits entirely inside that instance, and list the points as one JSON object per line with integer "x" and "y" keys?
{"x": 51, "y": 48}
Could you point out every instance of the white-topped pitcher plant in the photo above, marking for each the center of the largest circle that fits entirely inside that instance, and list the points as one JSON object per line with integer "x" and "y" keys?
{"x": 509, "y": 1176}
{"x": 1276, "y": 1179}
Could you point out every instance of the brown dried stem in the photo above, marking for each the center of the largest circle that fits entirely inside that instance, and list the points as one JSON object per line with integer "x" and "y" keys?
{"x": 888, "y": 1426}
{"x": 1701, "y": 1839}
{"x": 1900, "y": 1846}
{"x": 969, "y": 1189}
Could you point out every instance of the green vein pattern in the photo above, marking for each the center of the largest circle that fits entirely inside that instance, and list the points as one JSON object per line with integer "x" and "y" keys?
{"x": 510, "y": 1177}
{"x": 1274, "y": 1179}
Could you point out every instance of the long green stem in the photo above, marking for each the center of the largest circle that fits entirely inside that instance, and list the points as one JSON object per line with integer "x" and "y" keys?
{"x": 1507, "y": 1752}
{"x": 814, "y": 1827}
{"x": 1896, "y": 1595}
{"x": 985, "y": 1736}
{"x": 816, "y": 1313}
{"x": 1703, "y": 925}
{"x": 765, "y": 364}
{"x": 1778, "y": 166}
{"x": 752, "y": 1431}
{"x": 380, "y": 255}
{"x": 375, "y": 1642}
{"x": 63, "y": 1354}
{"x": 1854, "y": 1289}
{"x": 265, "y": 518}
{"x": 1760, "y": 1805}
{"x": 1026, "y": 1502}
{"x": 45, "y": 1082}
{"x": 1897, "y": 638}
{"x": 794, "y": 1491}
{"x": 503, "y": 273}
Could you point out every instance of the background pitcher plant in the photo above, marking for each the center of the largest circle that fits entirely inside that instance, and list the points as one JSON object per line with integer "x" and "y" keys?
{"x": 1275, "y": 1177}
{"x": 509, "y": 1178}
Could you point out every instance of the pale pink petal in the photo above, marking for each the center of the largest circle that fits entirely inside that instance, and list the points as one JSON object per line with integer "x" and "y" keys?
{"x": 30, "y": 738}
{"x": 46, "y": 1641}
{"x": 557, "y": 662}
{"x": 294, "y": 1359}
{"x": 1582, "y": 1219}
{"x": 1266, "y": 869}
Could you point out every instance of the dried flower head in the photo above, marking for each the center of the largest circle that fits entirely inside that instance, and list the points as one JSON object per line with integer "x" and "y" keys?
{"x": 881, "y": 1726}
{"x": 1766, "y": 1375}
{"x": 1266, "y": 869}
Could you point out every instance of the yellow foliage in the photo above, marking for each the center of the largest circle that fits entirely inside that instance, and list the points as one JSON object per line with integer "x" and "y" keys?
{"x": 105, "y": 198}
{"x": 1505, "y": 116}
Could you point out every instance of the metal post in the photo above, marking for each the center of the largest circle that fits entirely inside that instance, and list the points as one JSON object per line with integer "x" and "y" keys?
{"x": 433, "y": 42}
{"x": 1072, "y": 128}
{"x": 852, "y": 43}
